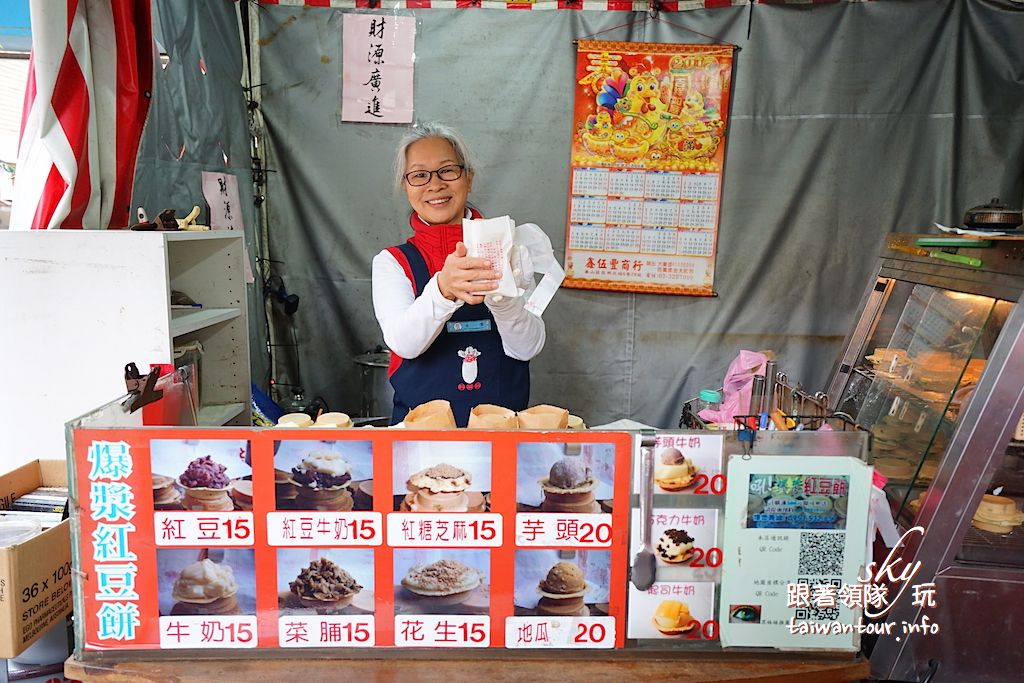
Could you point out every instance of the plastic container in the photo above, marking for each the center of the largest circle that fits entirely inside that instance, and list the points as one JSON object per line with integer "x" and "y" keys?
{"x": 191, "y": 354}
{"x": 15, "y": 531}
{"x": 709, "y": 399}
{"x": 378, "y": 396}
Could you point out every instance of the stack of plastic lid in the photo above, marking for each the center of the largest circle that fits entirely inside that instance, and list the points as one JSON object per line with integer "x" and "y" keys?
{"x": 15, "y": 531}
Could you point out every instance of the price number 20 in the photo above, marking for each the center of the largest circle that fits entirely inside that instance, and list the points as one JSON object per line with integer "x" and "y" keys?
{"x": 590, "y": 633}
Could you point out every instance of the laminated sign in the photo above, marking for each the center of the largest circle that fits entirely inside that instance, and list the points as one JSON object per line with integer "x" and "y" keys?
{"x": 797, "y": 531}
{"x": 648, "y": 144}
{"x": 678, "y": 609}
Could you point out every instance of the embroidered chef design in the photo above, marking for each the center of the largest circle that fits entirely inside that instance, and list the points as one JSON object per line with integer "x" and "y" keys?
{"x": 469, "y": 356}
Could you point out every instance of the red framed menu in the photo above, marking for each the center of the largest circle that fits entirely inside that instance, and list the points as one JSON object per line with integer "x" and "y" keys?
{"x": 229, "y": 538}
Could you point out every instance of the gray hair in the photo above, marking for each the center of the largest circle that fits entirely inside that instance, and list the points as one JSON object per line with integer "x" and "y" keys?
{"x": 431, "y": 129}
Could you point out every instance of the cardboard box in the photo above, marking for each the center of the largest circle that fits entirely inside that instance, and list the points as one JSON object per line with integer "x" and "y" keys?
{"x": 35, "y": 576}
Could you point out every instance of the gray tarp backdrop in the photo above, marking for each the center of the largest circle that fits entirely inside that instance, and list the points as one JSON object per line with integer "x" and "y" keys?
{"x": 848, "y": 121}
{"x": 197, "y": 122}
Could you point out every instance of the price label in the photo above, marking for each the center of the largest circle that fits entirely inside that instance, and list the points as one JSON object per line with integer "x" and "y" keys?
{"x": 203, "y": 528}
{"x": 713, "y": 485}
{"x": 207, "y": 632}
{"x": 444, "y": 530}
{"x": 703, "y": 630}
{"x": 430, "y": 630}
{"x": 560, "y": 632}
{"x": 547, "y": 529}
{"x": 326, "y": 631}
{"x": 323, "y": 528}
{"x": 712, "y": 557}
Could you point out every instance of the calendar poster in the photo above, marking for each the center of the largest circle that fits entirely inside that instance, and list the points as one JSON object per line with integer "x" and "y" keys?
{"x": 648, "y": 146}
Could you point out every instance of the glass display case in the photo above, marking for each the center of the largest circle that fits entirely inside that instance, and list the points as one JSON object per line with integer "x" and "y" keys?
{"x": 921, "y": 363}
{"x": 934, "y": 367}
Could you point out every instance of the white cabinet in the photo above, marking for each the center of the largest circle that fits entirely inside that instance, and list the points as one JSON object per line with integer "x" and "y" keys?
{"x": 77, "y": 306}
{"x": 209, "y": 267}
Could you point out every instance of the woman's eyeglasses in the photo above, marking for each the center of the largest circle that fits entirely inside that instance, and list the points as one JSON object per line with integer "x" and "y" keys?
{"x": 445, "y": 173}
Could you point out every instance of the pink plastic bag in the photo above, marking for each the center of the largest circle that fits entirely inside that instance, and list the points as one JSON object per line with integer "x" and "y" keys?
{"x": 739, "y": 381}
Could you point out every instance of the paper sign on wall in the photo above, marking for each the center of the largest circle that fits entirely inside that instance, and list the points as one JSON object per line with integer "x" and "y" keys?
{"x": 377, "y": 72}
{"x": 221, "y": 193}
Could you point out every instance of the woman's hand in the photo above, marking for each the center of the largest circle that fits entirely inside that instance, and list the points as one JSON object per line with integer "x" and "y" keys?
{"x": 463, "y": 276}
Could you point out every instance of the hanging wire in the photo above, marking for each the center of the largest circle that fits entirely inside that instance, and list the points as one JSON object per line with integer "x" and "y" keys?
{"x": 690, "y": 30}
{"x": 613, "y": 28}
{"x": 652, "y": 15}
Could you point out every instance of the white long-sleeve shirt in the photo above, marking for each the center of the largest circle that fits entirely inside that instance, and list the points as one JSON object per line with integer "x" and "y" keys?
{"x": 411, "y": 324}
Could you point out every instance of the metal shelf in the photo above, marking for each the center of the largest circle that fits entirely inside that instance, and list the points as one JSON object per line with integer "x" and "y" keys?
{"x": 905, "y": 389}
{"x": 198, "y": 235}
{"x": 219, "y": 415}
{"x": 984, "y": 547}
{"x": 185, "y": 320}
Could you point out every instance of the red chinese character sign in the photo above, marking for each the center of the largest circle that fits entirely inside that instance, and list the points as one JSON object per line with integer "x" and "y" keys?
{"x": 377, "y": 73}
{"x": 648, "y": 147}
{"x": 245, "y": 538}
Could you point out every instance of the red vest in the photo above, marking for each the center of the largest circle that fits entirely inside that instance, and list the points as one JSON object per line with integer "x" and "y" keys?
{"x": 466, "y": 364}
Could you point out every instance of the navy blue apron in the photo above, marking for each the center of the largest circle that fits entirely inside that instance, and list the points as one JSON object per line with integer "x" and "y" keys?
{"x": 465, "y": 365}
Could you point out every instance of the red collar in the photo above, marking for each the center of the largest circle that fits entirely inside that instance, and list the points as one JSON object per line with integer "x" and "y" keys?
{"x": 435, "y": 242}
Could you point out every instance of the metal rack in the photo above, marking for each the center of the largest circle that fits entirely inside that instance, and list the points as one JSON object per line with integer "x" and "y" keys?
{"x": 770, "y": 393}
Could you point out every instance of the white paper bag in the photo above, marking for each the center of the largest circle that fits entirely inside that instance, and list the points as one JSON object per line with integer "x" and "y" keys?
{"x": 519, "y": 253}
{"x": 491, "y": 239}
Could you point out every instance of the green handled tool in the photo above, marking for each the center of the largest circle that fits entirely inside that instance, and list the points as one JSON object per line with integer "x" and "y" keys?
{"x": 956, "y": 258}
{"x": 944, "y": 241}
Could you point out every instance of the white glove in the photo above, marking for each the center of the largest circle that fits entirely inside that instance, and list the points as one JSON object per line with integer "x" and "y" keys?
{"x": 522, "y": 268}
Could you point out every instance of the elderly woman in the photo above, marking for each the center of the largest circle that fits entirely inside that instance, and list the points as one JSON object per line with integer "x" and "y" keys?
{"x": 447, "y": 339}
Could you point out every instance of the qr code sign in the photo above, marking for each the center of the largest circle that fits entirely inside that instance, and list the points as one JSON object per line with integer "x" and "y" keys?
{"x": 814, "y": 611}
{"x": 821, "y": 553}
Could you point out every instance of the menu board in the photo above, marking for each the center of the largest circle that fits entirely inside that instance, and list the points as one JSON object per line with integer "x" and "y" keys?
{"x": 680, "y": 608}
{"x": 648, "y": 149}
{"x": 246, "y": 538}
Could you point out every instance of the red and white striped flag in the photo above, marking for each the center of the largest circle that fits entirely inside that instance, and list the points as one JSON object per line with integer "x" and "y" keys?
{"x": 89, "y": 85}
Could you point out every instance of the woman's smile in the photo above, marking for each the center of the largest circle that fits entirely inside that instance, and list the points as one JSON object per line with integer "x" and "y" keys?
{"x": 438, "y": 201}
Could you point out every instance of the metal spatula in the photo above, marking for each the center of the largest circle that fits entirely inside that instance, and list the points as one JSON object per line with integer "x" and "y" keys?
{"x": 644, "y": 564}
